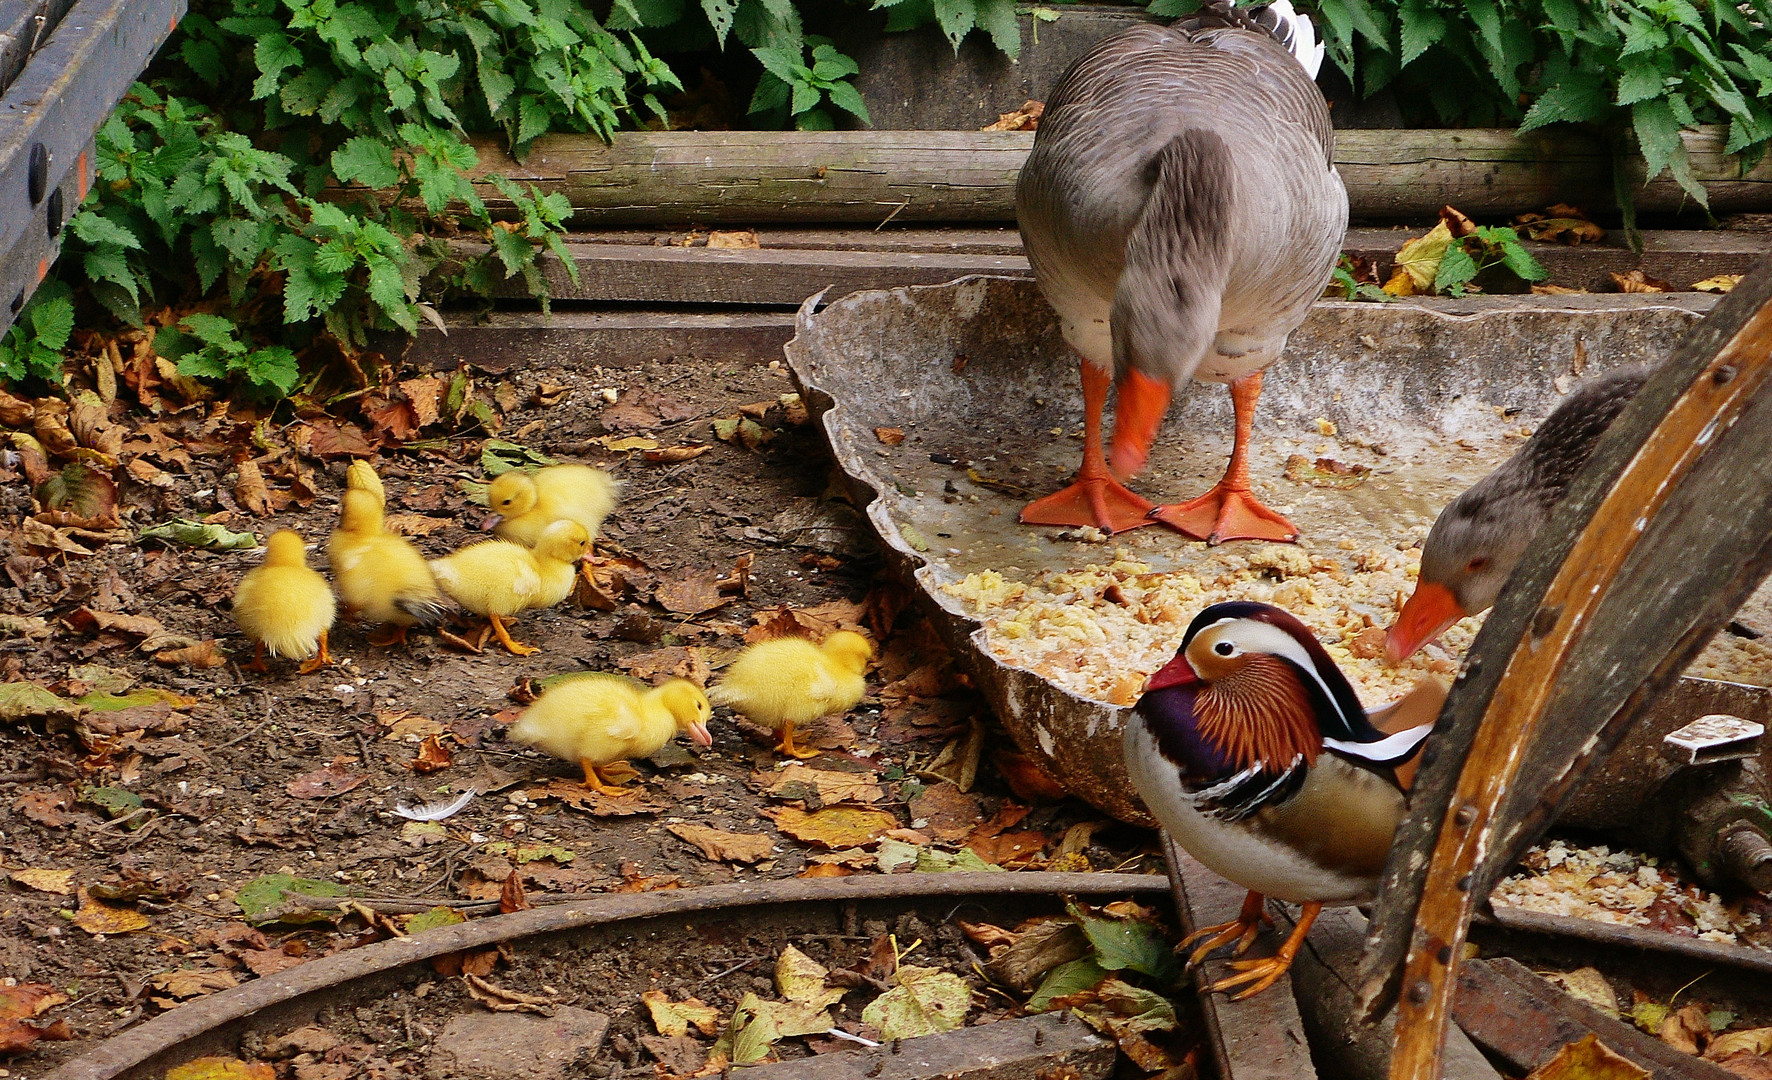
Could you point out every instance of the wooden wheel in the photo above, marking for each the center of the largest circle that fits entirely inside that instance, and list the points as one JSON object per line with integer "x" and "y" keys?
{"x": 1660, "y": 539}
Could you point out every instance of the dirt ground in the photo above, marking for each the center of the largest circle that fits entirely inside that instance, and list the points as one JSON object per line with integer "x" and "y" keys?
{"x": 240, "y": 775}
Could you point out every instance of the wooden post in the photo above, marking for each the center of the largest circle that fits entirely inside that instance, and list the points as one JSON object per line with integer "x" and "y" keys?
{"x": 1661, "y": 537}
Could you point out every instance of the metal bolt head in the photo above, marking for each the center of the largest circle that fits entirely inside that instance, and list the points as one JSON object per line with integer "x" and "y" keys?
{"x": 53, "y": 215}
{"x": 1723, "y": 374}
{"x": 37, "y": 176}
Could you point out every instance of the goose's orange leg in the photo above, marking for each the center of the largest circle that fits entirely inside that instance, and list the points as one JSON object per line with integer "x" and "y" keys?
{"x": 1096, "y": 498}
{"x": 1230, "y": 510}
{"x": 1261, "y": 974}
{"x": 1241, "y": 930}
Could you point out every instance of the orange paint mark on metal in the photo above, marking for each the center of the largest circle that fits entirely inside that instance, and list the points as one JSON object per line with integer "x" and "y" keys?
{"x": 80, "y": 170}
{"x": 42, "y": 270}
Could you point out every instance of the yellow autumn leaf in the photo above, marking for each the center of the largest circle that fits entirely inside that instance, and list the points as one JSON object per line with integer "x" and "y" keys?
{"x": 801, "y": 978}
{"x": 96, "y": 918}
{"x": 1752, "y": 1041}
{"x": 834, "y": 826}
{"x": 1589, "y": 1059}
{"x": 1418, "y": 261}
{"x": 672, "y": 1018}
{"x": 629, "y": 442}
{"x": 221, "y": 1068}
{"x": 925, "y": 1002}
{"x": 55, "y": 881}
{"x": 1719, "y": 283}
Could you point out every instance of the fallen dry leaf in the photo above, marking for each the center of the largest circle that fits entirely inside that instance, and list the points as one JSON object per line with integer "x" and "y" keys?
{"x": 98, "y": 918}
{"x": 1325, "y": 472}
{"x": 818, "y": 870}
{"x": 204, "y": 654}
{"x": 949, "y": 812}
{"x": 722, "y": 846}
{"x": 1026, "y": 777}
{"x": 335, "y": 779}
{"x": 1589, "y": 1059}
{"x": 498, "y": 999}
{"x": 692, "y": 595}
{"x": 432, "y": 756}
{"x": 415, "y": 524}
{"x": 834, "y": 826}
{"x": 799, "y": 977}
{"x": 1721, "y": 283}
{"x": 1753, "y": 1041}
{"x": 510, "y": 894}
{"x": 1686, "y": 1030}
{"x": 250, "y": 490}
{"x": 624, "y": 443}
{"x": 19, "y": 1006}
{"x": 1026, "y": 118}
{"x": 673, "y": 1018}
{"x": 186, "y": 983}
{"x": 1556, "y": 290}
{"x": 1635, "y": 281}
{"x": 87, "y": 621}
{"x": 1418, "y": 261}
{"x": 1587, "y": 985}
{"x": 890, "y": 436}
{"x": 50, "y": 881}
{"x": 579, "y": 797}
{"x": 737, "y": 583}
{"x": 743, "y": 431}
{"x": 671, "y": 455}
{"x": 1561, "y": 223}
{"x": 425, "y": 395}
{"x": 734, "y": 240}
{"x": 222, "y": 1068}
{"x": 798, "y": 781}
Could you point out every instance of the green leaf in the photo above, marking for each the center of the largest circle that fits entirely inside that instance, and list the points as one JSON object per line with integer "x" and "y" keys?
{"x": 1456, "y": 269}
{"x": 720, "y": 14}
{"x": 114, "y": 801}
{"x": 956, "y": 19}
{"x": 1658, "y": 136}
{"x": 199, "y": 534}
{"x": 1581, "y": 96}
{"x": 847, "y": 98}
{"x": 52, "y": 320}
{"x": 367, "y": 161}
{"x": 277, "y": 897}
{"x": 97, "y": 229}
{"x": 997, "y": 18}
{"x": 1639, "y": 82}
{"x": 273, "y": 53}
{"x": 22, "y": 700}
{"x": 1064, "y": 980}
{"x": 272, "y": 368}
{"x": 1421, "y": 28}
{"x": 1122, "y": 944}
{"x": 435, "y": 917}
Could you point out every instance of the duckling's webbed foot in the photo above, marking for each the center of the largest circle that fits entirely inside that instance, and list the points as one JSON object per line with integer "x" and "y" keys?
{"x": 390, "y": 635}
{"x": 257, "y": 663}
{"x": 1241, "y": 930}
{"x": 512, "y": 646}
{"x": 786, "y": 745}
{"x": 601, "y": 779}
{"x": 319, "y": 660}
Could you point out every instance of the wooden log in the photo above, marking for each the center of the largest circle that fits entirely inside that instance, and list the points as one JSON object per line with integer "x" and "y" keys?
{"x": 1524, "y": 1020}
{"x": 869, "y": 177}
{"x": 1261, "y": 1038}
{"x": 1670, "y": 527}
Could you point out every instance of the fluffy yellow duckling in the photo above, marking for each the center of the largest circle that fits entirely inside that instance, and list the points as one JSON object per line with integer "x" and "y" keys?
{"x": 791, "y": 681}
{"x": 526, "y": 503}
{"x": 380, "y": 575}
{"x": 602, "y": 720}
{"x": 285, "y": 606}
{"x": 361, "y": 476}
{"x": 498, "y": 579}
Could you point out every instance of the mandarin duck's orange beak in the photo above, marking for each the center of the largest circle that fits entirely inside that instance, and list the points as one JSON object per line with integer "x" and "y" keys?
{"x": 1137, "y": 414}
{"x": 1425, "y": 616}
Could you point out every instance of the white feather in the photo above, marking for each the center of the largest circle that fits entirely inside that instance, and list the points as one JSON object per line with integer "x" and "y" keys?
{"x": 1305, "y": 45}
{"x": 436, "y": 811}
{"x": 1389, "y": 748}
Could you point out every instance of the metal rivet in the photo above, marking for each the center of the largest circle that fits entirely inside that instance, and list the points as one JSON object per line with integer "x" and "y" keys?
{"x": 37, "y": 179}
{"x": 1444, "y": 956}
{"x": 1723, "y": 374}
{"x": 18, "y": 302}
{"x": 1428, "y": 754}
{"x": 1546, "y": 619}
{"x": 1466, "y": 814}
{"x": 1039, "y": 1036}
{"x": 54, "y": 219}
{"x": 1419, "y": 993}
{"x": 1471, "y": 667}
{"x": 898, "y": 1046}
{"x": 1064, "y": 1016}
{"x": 1463, "y": 884}
{"x": 877, "y": 1067}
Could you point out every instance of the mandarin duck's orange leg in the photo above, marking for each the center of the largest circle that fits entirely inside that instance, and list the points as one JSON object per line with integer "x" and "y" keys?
{"x": 786, "y": 745}
{"x": 319, "y": 660}
{"x": 512, "y": 646}
{"x": 1261, "y": 974}
{"x": 1096, "y": 498}
{"x": 602, "y": 784}
{"x": 1230, "y": 510}
{"x": 1241, "y": 930}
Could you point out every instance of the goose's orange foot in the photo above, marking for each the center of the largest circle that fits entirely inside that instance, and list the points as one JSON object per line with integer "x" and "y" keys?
{"x": 1227, "y": 513}
{"x": 1241, "y": 930}
{"x": 1100, "y": 501}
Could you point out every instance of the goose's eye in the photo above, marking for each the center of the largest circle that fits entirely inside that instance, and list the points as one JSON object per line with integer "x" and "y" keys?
{"x": 1224, "y": 648}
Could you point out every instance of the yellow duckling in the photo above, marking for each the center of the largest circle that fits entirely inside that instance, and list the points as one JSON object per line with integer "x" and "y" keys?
{"x": 285, "y": 606}
{"x": 791, "y": 681}
{"x": 602, "y": 720}
{"x": 380, "y": 575}
{"x": 360, "y": 475}
{"x": 526, "y": 503}
{"x": 498, "y": 579}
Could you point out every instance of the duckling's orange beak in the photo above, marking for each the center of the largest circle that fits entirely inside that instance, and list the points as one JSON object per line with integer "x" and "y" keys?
{"x": 1425, "y": 616}
{"x": 1137, "y": 414}
{"x": 698, "y": 733}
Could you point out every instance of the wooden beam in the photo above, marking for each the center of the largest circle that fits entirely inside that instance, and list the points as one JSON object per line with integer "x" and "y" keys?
{"x": 634, "y": 266}
{"x": 869, "y": 177}
{"x": 1670, "y": 527}
{"x": 1050, "y": 1045}
{"x": 504, "y": 341}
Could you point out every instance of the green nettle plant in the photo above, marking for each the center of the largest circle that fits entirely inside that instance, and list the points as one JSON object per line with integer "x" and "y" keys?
{"x": 297, "y": 169}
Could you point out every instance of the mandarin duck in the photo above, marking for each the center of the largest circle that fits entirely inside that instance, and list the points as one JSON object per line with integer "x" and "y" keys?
{"x": 1252, "y": 750}
{"x": 1481, "y": 536}
{"x": 1181, "y": 210}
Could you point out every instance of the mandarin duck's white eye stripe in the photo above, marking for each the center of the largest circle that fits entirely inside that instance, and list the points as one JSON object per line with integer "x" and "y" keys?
{"x": 1252, "y": 635}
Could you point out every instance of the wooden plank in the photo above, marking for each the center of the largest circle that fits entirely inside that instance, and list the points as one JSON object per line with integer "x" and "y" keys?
{"x": 1322, "y": 979}
{"x": 1524, "y": 1020}
{"x": 1669, "y": 526}
{"x": 628, "y": 266}
{"x": 1258, "y": 1039}
{"x": 680, "y": 177}
{"x": 506, "y": 341}
{"x": 1051, "y": 1045}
